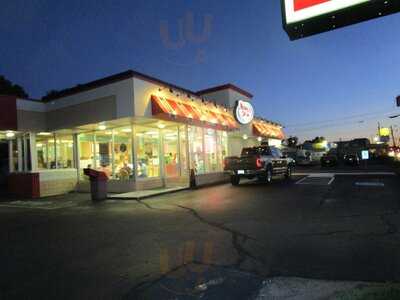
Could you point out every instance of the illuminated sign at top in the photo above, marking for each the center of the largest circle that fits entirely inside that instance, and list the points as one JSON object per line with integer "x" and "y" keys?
{"x": 302, "y": 18}
{"x": 244, "y": 112}
{"x": 300, "y": 10}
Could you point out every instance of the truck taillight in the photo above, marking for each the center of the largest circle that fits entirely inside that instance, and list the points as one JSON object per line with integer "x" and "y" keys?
{"x": 259, "y": 163}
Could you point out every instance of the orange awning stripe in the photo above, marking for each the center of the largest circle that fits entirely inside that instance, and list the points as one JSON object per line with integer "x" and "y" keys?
{"x": 262, "y": 128}
{"x": 198, "y": 113}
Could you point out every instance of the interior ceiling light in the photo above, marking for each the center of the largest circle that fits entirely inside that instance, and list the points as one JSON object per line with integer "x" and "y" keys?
{"x": 10, "y": 134}
{"x": 44, "y": 133}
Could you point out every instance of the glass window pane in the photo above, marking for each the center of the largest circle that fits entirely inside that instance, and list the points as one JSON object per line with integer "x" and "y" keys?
{"x": 65, "y": 151}
{"x": 45, "y": 152}
{"x": 86, "y": 152}
{"x": 183, "y": 150}
{"x": 210, "y": 144}
{"x": 196, "y": 149}
{"x": 171, "y": 154}
{"x": 148, "y": 157}
{"x": 103, "y": 152}
{"x": 123, "y": 153}
{"x": 15, "y": 154}
{"x": 222, "y": 148}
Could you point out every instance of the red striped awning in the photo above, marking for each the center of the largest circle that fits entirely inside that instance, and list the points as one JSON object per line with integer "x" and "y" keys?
{"x": 265, "y": 129}
{"x": 201, "y": 114}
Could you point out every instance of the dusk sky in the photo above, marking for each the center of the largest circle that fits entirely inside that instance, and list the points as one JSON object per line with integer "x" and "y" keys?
{"x": 314, "y": 86}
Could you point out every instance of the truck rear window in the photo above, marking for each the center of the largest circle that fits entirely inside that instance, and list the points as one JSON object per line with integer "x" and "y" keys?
{"x": 256, "y": 151}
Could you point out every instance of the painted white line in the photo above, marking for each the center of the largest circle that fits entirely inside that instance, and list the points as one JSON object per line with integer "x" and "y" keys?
{"x": 301, "y": 180}
{"x": 330, "y": 181}
{"x": 375, "y": 184}
{"x": 345, "y": 173}
{"x": 321, "y": 175}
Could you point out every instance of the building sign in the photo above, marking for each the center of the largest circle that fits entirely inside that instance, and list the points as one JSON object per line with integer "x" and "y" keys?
{"x": 307, "y": 17}
{"x": 244, "y": 112}
{"x": 384, "y": 131}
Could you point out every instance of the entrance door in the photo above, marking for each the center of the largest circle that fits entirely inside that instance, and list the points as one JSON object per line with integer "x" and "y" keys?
{"x": 4, "y": 166}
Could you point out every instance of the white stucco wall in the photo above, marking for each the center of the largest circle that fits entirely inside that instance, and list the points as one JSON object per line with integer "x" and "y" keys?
{"x": 142, "y": 98}
{"x": 226, "y": 97}
{"x": 122, "y": 91}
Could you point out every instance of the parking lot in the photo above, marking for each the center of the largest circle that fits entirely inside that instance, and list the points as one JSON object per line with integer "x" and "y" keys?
{"x": 329, "y": 225}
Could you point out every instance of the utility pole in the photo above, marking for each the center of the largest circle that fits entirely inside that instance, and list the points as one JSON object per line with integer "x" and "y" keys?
{"x": 394, "y": 140}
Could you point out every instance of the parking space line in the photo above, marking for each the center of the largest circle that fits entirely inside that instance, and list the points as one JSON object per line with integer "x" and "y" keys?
{"x": 346, "y": 174}
{"x": 301, "y": 180}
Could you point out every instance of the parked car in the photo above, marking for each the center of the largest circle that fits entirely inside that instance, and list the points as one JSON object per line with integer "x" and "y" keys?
{"x": 330, "y": 159}
{"x": 261, "y": 162}
{"x": 351, "y": 159}
{"x": 304, "y": 158}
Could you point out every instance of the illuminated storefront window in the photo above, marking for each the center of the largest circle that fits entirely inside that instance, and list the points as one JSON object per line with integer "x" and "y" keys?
{"x": 183, "y": 150}
{"x": 45, "y": 151}
{"x": 210, "y": 146}
{"x": 159, "y": 151}
{"x": 65, "y": 151}
{"x": 103, "y": 152}
{"x": 54, "y": 151}
{"x": 196, "y": 149}
{"x": 148, "y": 157}
{"x": 222, "y": 148}
{"x": 86, "y": 151}
{"x": 171, "y": 152}
{"x": 123, "y": 153}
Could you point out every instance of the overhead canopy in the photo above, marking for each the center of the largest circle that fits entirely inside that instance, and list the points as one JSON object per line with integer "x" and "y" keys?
{"x": 201, "y": 114}
{"x": 268, "y": 130}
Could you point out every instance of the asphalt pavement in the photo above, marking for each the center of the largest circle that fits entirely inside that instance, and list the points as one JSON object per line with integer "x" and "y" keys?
{"x": 178, "y": 246}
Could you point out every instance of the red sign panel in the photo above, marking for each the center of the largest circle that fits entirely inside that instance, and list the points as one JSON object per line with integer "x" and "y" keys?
{"x": 8, "y": 113}
{"x": 301, "y": 4}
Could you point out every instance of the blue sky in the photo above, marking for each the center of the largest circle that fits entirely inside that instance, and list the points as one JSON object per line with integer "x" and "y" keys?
{"x": 314, "y": 86}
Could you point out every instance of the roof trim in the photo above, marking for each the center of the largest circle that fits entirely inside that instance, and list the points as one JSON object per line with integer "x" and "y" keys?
{"x": 134, "y": 74}
{"x": 113, "y": 79}
{"x": 225, "y": 87}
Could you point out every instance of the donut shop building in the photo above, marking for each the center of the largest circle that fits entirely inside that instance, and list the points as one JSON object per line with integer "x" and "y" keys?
{"x": 142, "y": 132}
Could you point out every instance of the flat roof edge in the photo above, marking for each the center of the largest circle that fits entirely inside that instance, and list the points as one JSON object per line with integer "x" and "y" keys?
{"x": 225, "y": 87}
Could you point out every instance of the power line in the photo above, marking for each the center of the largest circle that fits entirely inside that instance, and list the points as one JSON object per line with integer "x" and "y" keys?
{"x": 334, "y": 125}
{"x": 341, "y": 119}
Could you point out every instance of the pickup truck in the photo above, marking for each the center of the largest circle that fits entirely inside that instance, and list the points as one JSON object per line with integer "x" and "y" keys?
{"x": 261, "y": 162}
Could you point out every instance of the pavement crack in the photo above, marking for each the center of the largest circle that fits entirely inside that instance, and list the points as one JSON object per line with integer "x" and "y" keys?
{"x": 215, "y": 224}
{"x": 238, "y": 238}
{"x": 149, "y": 206}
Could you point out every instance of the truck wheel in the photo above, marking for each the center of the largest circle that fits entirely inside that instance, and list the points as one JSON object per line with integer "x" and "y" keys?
{"x": 268, "y": 175}
{"x": 235, "y": 180}
{"x": 289, "y": 171}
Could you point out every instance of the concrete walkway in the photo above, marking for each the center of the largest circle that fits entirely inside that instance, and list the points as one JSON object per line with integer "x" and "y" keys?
{"x": 146, "y": 193}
